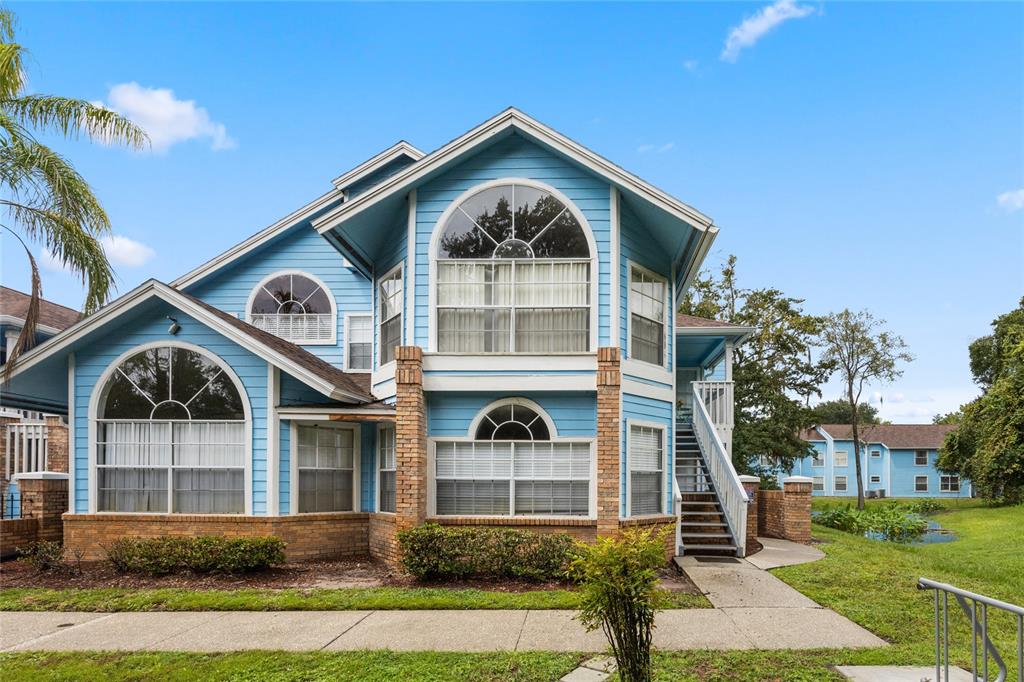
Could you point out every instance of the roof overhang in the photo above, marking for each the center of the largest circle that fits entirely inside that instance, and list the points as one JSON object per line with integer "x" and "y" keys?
{"x": 375, "y": 163}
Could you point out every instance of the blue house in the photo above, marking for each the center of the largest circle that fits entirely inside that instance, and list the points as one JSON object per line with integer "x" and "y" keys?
{"x": 897, "y": 460}
{"x": 479, "y": 335}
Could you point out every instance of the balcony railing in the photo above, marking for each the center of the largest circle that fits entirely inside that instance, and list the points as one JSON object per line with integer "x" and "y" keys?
{"x": 303, "y": 328}
{"x": 27, "y": 444}
{"x": 718, "y": 399}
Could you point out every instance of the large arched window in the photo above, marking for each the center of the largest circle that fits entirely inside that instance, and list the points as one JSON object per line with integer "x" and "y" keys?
{"x": 512, "y": 463}
{"x": 294, "y": 306}
{"x": 513, "y": 274}
{"x": 170, "y": 435}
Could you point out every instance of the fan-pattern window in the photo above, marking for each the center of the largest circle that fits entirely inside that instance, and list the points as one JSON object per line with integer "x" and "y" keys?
{"x": 170, "y": 436}
{"x": 513, "y": 275}
{"x": 512, "y": 467}
{"x": 648, "y": 318}
{"x": 390, "y": 311}
{"x": 386, "y": 467}
{"x": 646, "y": 457}
{"x": 326, "y": 463}
{"x": 294, "y": 307}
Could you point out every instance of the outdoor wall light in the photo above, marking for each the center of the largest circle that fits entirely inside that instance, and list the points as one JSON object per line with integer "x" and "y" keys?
{"x": 174, "y": 328}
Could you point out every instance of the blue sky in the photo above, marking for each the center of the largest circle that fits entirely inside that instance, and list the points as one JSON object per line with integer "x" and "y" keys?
{"x": 862, "y": 155}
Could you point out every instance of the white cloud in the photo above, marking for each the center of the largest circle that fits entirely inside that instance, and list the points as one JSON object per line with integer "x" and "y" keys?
{"x": 126, "y": 252}
{"x": 50, "y": 262}
{"x": 656, "y": 148}
{"x": 690, "y": 65}
{"x": 1011, "y": 201}
{"x": 758, "y": 25}
{"x": 166, "y": 119}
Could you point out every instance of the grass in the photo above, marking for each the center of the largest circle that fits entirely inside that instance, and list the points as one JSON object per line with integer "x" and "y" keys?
{"x": 278, "y": 665}
{"x": 347, "y": 599}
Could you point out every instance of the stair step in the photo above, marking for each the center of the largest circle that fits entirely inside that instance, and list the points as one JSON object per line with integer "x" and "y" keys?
{"x": 705, "y": 536}
{"x": 704, "y": 524}
{"x": 688, "y": 549}
{"x": 691, "y": 503}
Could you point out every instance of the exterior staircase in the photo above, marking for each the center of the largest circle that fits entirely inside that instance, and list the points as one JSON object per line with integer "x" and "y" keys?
{"x": 703, "y": 528}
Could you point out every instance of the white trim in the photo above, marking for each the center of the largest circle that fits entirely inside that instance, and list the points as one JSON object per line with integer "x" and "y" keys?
{"x": 376, "y": 162}
{"x": 846, "y": 483}
{"x": 736, "y": 332}
{"x": 514, "y": 119}
{"x": 525, "y": 402}
{"x": 497, "y": 362}
{"x": 510, "y": 383}
{"x": 646, "y": 370}
{"x": 377, "y": 471}
{"x": 273, "y": 441}
{"x": 257, "y": 240}
{"x": 19, "y": 322}
{"x": 325, "y": 413}
{"x": 927, "y": 484}
{"x": 615, "y": 331}
{"x": 293, "y": 468}
{"x": 333, "y": 341}
{"x": 927, "y": 457}
{"x": 871, "y": 478}
{"x": 72, "y": 433}
{"x": 629, "y": 424}
{"x": 101, "y": 383}
{"x": 663, "y": 393}
{"x": 378, "y": 322}
{"x": 435, "y": 237}
{"x": 347, "y": 339}
{"x": 706, "y": 239}
{"x": 835, "y": 458}
{"x": 293, "y": 462}
{"x": 410, "y": 274}
{"x": 666, "y": 324}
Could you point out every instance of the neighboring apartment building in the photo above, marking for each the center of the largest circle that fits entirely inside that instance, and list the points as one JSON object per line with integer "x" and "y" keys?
{"x": 897, "y": 460}
{"x": 479, "y": 335}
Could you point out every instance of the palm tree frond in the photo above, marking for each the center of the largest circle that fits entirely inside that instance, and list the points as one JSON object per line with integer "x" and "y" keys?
{"x": 71, "y": 117}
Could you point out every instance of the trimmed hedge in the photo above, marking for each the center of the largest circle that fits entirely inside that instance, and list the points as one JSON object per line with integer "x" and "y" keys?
{"x": 433, "y": 552}
{"x": 199, "y": 554}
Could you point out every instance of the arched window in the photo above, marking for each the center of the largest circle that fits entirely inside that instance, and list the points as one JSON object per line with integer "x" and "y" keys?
{"x": 513, "y": 274}
{"x": 510, "y": 465}
{"x": 170, "y": 435}
{"x": 295, "y": 307}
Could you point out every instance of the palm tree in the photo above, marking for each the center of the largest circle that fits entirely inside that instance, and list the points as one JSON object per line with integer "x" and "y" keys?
{"x": 44, "y": 198}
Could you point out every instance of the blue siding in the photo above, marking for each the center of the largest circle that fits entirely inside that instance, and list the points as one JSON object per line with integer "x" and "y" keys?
{"x": 285, "y": 468}
{"x": 130, "y": 332}
{"x": 294, "y": 392}
{"x": 512, "y": 157}
{"x": 640, "y": 408}
{"x": 639, "y": 246}
{"x": 377, "y": 177}
{"x": 368, "y": 466}
{"x": 450, "y": 414}
{"x": 302, "y": 249}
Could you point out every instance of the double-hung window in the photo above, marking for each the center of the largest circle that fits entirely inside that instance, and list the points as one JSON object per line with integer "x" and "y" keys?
{"x": 648, "y": 296}
{"x": 920, "y": 458}
{"x": 646, "y": 456}
{"x": 818, "y": 459}
{"x": 358, "y": 342}
{"x": 840, "y": 484}
{"x": 386, "y": 481}
{"x": 326, "y": 465}
{"x": 949, "y": 483}
{"x": 390, "y": 314}
{"x": 842, "y": 458}
{"x": 818, "y": 484}
{"x": 921, "y": 484}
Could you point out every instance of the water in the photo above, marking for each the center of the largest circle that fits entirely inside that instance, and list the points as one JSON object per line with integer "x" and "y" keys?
{"x": 933, "y": 535}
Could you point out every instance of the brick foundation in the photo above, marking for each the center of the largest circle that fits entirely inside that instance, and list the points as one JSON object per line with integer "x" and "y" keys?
{"x": 410, "y": 446}
{"x": 609, "y": 439}
{"x": 786, "y": 513}
{"x": 16, "y": 534}
{"x": 45, "y": 498}
{"x": 666, "y": 524}
{"x": 382, "y": 542}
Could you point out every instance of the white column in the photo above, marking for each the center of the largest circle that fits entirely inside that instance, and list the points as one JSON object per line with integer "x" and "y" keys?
{"x": 273, "y": 441}
{"x": 728, "y": 360}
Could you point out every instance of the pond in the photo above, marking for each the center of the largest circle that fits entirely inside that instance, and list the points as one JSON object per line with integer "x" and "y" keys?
{"x": 933, "y": 535}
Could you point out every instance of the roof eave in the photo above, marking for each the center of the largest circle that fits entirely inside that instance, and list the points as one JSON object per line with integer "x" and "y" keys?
{"x": 401, "y": 148}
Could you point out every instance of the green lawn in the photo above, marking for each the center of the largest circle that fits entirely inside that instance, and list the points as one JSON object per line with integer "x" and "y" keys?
{"x": 349, "y": 599}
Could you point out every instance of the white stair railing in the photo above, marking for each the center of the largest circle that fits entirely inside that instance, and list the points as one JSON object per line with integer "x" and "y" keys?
{"x": 27, "y": 445}
{"x": 677, "y": 499}
{"x": 730, "y": 491}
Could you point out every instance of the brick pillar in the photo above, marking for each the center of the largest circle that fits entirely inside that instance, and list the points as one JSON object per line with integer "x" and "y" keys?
{"x": 609, "y": 440}
{"x": 44, "y": 497}
{"x": 796, "y": 508}
{"x": 56, "y": 445}
{"x": 410, "y": 438}
{"x": 751, "y": 485}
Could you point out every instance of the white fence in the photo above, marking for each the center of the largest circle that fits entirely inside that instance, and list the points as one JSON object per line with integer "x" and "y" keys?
{"x": 27, "y": 445}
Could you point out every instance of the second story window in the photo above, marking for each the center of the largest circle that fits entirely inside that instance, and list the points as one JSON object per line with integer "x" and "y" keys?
{"x": 390, "y": 314}
{"x": 296, "y": 307}
{"x": 513, "y": 275}
{"x": 647, "y": 315}
{"x": 358, "y": 342}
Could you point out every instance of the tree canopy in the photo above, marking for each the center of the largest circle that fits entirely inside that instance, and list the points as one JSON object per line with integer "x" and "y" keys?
{"x": 838, "y": 412}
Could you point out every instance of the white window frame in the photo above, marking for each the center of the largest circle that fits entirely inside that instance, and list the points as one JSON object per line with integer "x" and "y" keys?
{"x": 98, "y": 395}
{"x": 944, "y": 483}
{"x": 818, "y": 484}
{"x": 875, "y": 478}
{"x": 917, "y": 478}
{"x": 348, "y": 338}
{"x": 845, "y": 459}
{"x": 630, "y": 266}
{"x": 926, "y": 458}
{"x": 293, "y": 464}
{"x": 470, "y": 437}
{"x": 876, "y": 454}
{"x": 383, "y": 426}
{"x": 378, "y": 322}
{"x": 845, "y": 483}
{"x": 333, "y": 340}
{"x": 630, "y": 423}
{"x": 526, "y": 182}
{"x": 818, "y": 460}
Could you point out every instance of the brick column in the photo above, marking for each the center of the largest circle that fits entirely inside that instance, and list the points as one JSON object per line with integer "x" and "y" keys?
{"x": 751, "y": 485}
{"x": 410, "y": 438}
{"x": 609, "y": 440}
{"x": 797, "y": 509}
{"x": 44, "y": 497}
{"x": 56, "y": 445}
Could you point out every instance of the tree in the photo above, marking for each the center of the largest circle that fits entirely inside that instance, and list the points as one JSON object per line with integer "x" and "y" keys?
{"x": 774, "y": 372}
{"x": 988, "y": 445}
{"x": 44, "y": 198}
{"x": 863, "y": 352}
{"x": 838, "y": 412}
{"x": 948, "y": 418}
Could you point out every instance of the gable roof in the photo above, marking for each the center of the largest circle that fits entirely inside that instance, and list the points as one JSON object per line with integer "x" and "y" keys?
{"x": 296, "y": 361}
{"x": 691, "y": 324}
{"x": 375, "y": 163}
{"x": 509, "y": 119}
{"x": 893, "y": 436}
{"x": 53, "y": 317}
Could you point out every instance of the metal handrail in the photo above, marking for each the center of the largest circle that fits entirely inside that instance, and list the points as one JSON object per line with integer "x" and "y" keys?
{"x": 971, "y": 611}
{"x": 731, "y": 494}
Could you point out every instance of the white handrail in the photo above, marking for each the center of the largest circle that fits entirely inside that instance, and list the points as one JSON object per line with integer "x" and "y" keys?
{"x": 677, "y": 499}
{"x": 718, "y": 399}
{"x": 727, "y": 482}
{"x": 27, "y": 448}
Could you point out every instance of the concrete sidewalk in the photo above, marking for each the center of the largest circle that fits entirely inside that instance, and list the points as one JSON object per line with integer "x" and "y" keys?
{"x": 733, "y": 628}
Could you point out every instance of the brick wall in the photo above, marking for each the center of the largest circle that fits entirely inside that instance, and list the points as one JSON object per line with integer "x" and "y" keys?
{"x": 581, "y": 529}
{"x": 751, "y": 484}
{"x": 664, "y": 524}
{"x": 16, "y": 534}
{"x": 410, "y": 440}
{"x": 45, "y": 500}
{"x": 786, "y": 513}
{"x": 609, "y": 440}
{"x": 770, "y": 520}
{"x": 57, "y": 445}
{"x": 382, "y": 542}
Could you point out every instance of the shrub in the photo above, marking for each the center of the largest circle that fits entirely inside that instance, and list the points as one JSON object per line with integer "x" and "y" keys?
{"x": 924, "y": 506}
{"x": 618, "y": 586}
{"x": 890, "y": 522}
{"x": 44, "y": 556}
{"x": 433, "y": 552}
{"x": 200, "y": 554}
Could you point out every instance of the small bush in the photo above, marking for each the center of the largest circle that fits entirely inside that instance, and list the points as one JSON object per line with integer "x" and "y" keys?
{"x": 44, "y": 556}
{"x": 924, "y": 506}
{"x": 200, "y": 554}
{"x": 891, "y": 522}
{"x": 619, "y": 594}
{"x": 433, "y": 552}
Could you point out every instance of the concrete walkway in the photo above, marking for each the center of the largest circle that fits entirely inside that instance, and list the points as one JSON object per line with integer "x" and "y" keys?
{"x": 776, "y": 553}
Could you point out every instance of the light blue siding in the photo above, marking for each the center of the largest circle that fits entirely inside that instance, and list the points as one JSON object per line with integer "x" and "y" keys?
{"x": 377, "y": 177}
{"x": 639, "y": 246}
{"x": 450, "y": 414}
{"x": 512, "y": 157}
{"x": 640, "y": 408}
{"x": 285, "y": 468}
{"x": 149, "y": 326}
{"x": 294, "y": 392}
{"x": 301, "y": 249}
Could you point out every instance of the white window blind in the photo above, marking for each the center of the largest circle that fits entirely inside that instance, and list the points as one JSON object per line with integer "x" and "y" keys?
{"x": 818, "y": 483}
{"x": 646, "y": 454}
{"x": 359, "y": 342}
{"x": 326, "y": 464}
{"x": 840, "y": 484}
{"x": 647, "y": 308}
{"x": 842, "y": 458}
{"x": 818, "y": 459}
{"x": 386, "y": 467}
